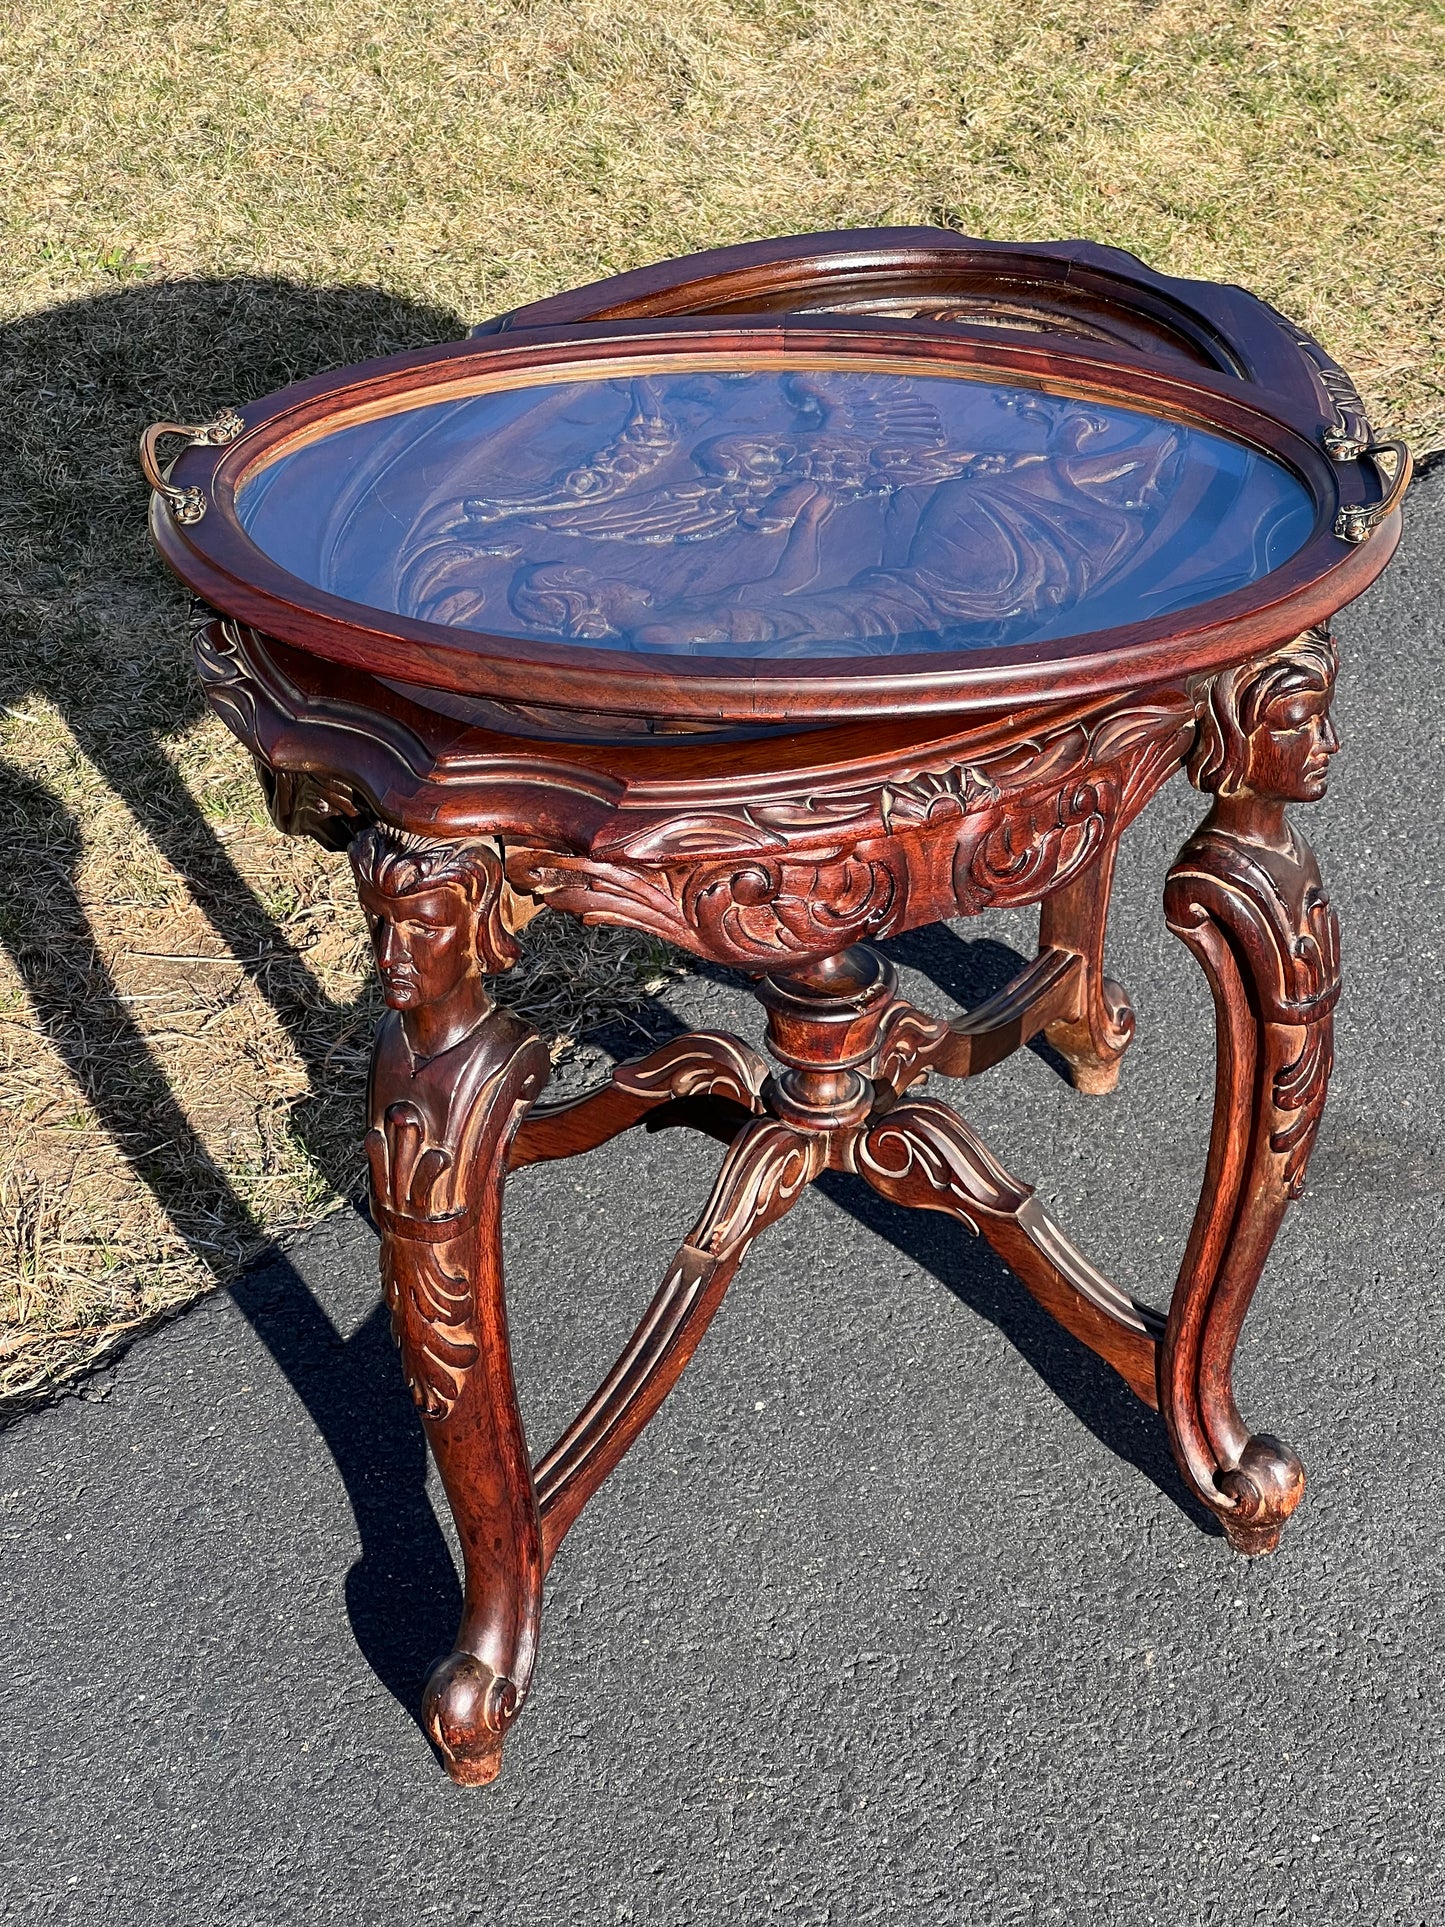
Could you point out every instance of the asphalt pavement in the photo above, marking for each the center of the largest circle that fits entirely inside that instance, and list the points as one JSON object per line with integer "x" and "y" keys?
{"x": 898, "y": 1611}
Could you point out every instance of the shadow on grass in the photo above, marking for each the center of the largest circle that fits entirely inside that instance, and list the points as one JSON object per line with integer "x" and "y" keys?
{"x": 90, "y": 621}
{"x": 93, "y": 623}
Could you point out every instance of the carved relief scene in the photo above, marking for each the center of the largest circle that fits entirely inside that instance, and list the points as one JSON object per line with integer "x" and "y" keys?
{"x": 808, "y": 512}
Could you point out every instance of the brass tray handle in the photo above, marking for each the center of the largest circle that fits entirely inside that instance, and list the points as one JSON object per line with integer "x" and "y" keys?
{"x": 187, "y": 505}
{"x": 1355, "y": 522}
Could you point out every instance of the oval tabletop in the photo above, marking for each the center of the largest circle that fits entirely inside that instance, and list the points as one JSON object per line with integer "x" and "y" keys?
{"x": 776, "y": 513}
{"x": 612, "y": 522}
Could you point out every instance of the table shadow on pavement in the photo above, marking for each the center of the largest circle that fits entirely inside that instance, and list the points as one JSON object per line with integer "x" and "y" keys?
{"x": 402, "y": 1595}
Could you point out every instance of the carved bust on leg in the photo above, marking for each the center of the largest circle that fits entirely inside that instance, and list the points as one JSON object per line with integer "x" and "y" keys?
{"x": 1245, "y": 895}
{"x": 451, "y": 1078}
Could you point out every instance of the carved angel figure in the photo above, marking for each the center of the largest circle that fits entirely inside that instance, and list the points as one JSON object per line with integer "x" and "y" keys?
{"x": 776, "y": 511}
{"x": 834, "y": 513}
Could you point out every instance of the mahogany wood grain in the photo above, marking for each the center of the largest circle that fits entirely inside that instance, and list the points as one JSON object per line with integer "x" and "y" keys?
{"x": 451, "y": 1078}
{"x": 1074, "y": 289}
{"x": 1245, "y": 896}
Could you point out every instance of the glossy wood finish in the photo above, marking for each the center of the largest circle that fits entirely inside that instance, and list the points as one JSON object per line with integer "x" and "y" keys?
{"x": 821, "y": 508}
{"x": 761, "y": 823}
{"x": 1245, "y": 895}
{"x": 1075, "y": 290}
{"x": 213, "y": 554}
{"x": 450, "y": 1081}
{"x": 791, "y": 881}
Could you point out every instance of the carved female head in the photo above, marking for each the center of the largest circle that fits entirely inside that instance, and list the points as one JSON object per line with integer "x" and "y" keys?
{"x": 1266, "y": 730}
{"x": 432, "y": 910}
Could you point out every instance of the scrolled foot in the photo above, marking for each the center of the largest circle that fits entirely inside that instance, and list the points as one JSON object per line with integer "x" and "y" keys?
{"x": 466, "y": 1710}
{"x": 1266, "y": 1486}
{"x": 1094, "y": 1035}
{"x": 1093, "y": 1047}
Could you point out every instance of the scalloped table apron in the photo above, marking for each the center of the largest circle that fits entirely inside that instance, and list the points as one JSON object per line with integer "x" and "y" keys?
{"x": 776, "y": 600}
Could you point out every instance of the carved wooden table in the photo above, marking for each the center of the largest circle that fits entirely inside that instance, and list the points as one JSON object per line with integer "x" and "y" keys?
{"x": 774, "y": 632}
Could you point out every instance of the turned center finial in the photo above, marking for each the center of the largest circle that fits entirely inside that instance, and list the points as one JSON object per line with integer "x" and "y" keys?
{"x": 824, "y": 1019}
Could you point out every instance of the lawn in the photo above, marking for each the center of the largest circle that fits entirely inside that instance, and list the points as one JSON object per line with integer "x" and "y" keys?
{"x": 203, "y": 202}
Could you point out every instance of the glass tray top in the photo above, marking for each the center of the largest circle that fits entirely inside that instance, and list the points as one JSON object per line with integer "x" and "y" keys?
{"x": 780, "y": 512}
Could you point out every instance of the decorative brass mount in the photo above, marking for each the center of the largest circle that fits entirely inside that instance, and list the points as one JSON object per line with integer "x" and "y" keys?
{"x": 187, "y": 505}
{"x": 1355, "y": 521}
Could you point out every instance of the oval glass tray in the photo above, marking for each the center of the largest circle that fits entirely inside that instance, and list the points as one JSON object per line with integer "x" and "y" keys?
{"x": 773, "y": 520}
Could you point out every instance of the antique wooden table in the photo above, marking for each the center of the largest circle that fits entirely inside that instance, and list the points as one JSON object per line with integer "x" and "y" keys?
{"x": 773, "y": 601}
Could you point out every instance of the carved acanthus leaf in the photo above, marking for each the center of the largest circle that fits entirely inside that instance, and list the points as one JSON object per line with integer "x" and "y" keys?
{"x": 216, "y": 649}
{"x": 424, "y": 1257}
{"x": 905, "y": 1034}
{"x": 924, "y": 1147}
{"x": 807, "y": 874}
{"x": 702, "y": 1064}
{"x": 1037, "y": 848}
{"x": 934, "y": 795}
{"x": 1283, "y": 928}
{"x": 756, "y": 912}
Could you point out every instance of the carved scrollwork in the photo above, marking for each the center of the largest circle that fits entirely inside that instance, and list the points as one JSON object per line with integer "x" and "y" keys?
{"x": 922, "y": 1153}
{"x": 800, "y": 906}
{"x": 1063, "y": 797}
{"x": 216, "y": 652}
{"x": 751, "y": 912}
{"x": 765, "y": 1173}
{"x": 424, "y": 1258}
{"x": 702, "y": 1064}
{"x": 801, "y": 876}
{"x": 907, "y": 1036}
{"x": 772, "y": 877}
{"x": 1284, "y": 932}
{"x": 427, "y": 1183}
{"x": 934, "y": 795}
{"x": 1347, "y": 434}
{"x": 1038, "y": 847}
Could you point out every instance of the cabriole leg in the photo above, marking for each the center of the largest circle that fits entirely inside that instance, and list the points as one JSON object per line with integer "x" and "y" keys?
{"x": 1245, "y": 896}
{"x": 451, "y": 1077}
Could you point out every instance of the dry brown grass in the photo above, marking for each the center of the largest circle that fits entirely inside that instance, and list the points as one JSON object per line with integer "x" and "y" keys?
{"x": 205, "y": 201}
